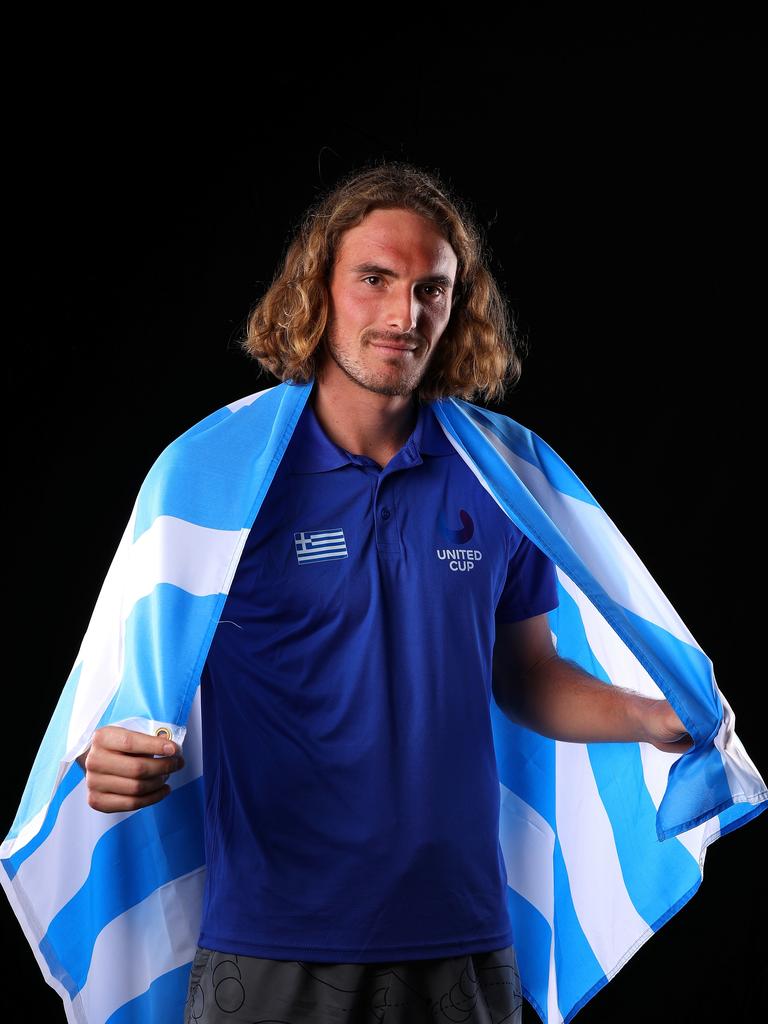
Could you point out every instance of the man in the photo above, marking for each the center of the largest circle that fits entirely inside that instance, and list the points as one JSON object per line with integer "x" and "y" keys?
{"x": 337, "y": 866}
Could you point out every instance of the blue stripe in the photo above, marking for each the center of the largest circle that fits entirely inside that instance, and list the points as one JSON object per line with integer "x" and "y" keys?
{"x": 618, "y": 773}
{"x": 72, "y": 778}
{"x": 160, "y": 843}
{"x": 659, "y": 652}
{"x": 39, "y": 786}
{"x": 207, "y": 475}
{"x": 159, "y": 679}
{"x": 572, "y": 948}
{"x": 693, "y": 792}
{"x": 739, "y": 814}
{"x": 682, "y": 671}
{"x": 655, "y": 874}
{"x": 163, "y": 1001}
{"x": 525, "y": 761}
{"x": 521, "y": 441}
{"x": 532, "y": 940}
{"x": 158, "y": 683}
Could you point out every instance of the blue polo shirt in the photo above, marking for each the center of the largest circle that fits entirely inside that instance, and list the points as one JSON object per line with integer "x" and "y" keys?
{"x": 352, "y": 795}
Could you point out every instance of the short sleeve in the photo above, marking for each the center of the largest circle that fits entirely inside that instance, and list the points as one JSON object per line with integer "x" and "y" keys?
{"x": 531, "y": 584}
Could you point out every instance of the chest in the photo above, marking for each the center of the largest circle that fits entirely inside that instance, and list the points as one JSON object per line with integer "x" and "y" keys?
{"x": 430, "y": 537}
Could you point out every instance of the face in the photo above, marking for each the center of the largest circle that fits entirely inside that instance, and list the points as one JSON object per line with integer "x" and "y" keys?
{"x": 390, "y": 301}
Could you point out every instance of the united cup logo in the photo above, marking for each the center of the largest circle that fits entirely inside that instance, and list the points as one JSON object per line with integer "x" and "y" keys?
{"x": 459, "y": 559}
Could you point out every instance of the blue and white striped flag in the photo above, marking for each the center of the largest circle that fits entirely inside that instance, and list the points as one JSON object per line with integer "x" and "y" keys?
{"x": 320, "y": 545}
{"x": 603, "y": 842}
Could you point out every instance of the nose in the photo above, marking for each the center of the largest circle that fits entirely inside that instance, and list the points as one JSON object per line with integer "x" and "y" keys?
{"x": 403, "y": 310}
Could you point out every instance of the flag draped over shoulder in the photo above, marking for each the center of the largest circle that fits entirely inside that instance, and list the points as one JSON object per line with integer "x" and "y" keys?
{"x": 603, "y": 842}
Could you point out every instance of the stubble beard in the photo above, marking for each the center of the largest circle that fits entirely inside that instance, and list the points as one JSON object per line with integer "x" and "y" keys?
{"x": 405, "y": 385}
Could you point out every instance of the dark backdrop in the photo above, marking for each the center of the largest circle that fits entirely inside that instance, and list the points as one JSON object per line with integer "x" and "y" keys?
{"x": 614, "y": 166}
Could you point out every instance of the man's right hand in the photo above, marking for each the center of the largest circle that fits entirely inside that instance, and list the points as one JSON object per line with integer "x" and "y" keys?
{"x": 121, "y": 772}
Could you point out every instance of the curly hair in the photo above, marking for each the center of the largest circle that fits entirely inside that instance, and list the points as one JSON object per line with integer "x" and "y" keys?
{"x": 480, "y": 349}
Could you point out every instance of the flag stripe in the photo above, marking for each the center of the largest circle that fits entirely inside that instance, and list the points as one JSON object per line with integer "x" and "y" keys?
{"x": 163, "y": 1001}
{"x": 220, "y": 496}
{"x": 74, "y": 930}
{"x": 16, "y": 848}
{"x": 523, "y": 860}
{"x": 585, "y": 531}
{"x": 590, "y": 855}
{"x": 323, "y": 556}
{"x": 122, "y": 969}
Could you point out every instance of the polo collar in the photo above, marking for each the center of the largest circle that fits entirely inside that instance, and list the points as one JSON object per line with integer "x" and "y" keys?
{"x": 311, "y": 450}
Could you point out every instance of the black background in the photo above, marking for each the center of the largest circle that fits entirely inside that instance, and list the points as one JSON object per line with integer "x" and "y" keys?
{"x": 613, "y": 160}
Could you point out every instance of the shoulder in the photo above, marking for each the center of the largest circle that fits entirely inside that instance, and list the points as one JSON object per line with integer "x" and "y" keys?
{"x": 224, "y": 451}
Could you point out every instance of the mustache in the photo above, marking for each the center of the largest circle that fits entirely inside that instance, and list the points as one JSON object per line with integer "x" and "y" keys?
{"x": 401, "y": 339}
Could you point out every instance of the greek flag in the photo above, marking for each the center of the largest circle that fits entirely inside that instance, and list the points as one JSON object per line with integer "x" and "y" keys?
{"x": 603, "y": 842}
{"x": 320, "y": 545}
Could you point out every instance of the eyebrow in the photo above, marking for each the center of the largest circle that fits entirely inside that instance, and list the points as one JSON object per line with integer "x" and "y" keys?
{"x": 374, "y": 268}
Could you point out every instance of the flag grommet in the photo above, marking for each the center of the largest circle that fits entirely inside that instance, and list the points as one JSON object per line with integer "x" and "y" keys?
{"x": 164, "y": 732}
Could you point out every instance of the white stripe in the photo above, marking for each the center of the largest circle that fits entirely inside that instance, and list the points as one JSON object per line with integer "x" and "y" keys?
{"x": 334, "y": 545}
{"x": 154, "y": 937}
{"x": 591, "y": 859}
{"x": 321, "y": 549}
{"x": 103, "y": 649}
{"x": 600, "y": 545}
{"x": 620, "y": 664}
{"x": 25, "y": 912}
{"x": 247, "y": 400}
{"x": 528, "y": 847}
{"x": 656, "y": 764}
{"x": 172, "y": 550}
{"x": 198, "y": 559}
{"x": 237, "y": 552}
{"x": 322, "y": 555}
{"x": 527, "y": 843}
{"x": 743, "y": 778}
{"x": 595, "y": 539}
{"x": 60, "y": 866}
{"x": 30, "y": 830}
{"x": 101, "y": 652}
{"x": 554, "y": 1016}
{"x": 609, "y": 649}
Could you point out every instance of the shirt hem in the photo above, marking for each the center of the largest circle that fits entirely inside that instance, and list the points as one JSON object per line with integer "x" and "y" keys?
{"x": 339, "y": 954}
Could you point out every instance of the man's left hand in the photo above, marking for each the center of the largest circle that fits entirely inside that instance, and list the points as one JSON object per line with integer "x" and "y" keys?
{"x": 665, "y": 730}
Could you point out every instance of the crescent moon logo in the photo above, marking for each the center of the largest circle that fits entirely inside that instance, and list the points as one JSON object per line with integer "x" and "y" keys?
{"x": 457, "y": 536}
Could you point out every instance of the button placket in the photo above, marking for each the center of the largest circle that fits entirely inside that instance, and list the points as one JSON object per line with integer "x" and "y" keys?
{"x": 387, "y": 531}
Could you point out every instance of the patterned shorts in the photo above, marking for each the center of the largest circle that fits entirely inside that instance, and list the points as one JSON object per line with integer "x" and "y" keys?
{"x": 474, "y": 988}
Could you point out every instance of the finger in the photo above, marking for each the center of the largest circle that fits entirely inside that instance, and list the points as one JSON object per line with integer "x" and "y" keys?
{"x": 128, "y": 741}
{"x": 125, "y": 787}
{"x": 134, "y": 766}
{"x": 111, "y": 802}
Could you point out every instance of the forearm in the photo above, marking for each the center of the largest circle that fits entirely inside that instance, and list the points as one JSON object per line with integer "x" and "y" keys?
{"x": 558, "y": 699}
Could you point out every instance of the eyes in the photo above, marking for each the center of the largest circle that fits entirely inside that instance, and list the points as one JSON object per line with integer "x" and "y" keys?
{"x": 437, "y": 291}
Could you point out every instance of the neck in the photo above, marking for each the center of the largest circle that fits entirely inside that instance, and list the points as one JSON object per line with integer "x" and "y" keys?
{"x": 361, "y": 421}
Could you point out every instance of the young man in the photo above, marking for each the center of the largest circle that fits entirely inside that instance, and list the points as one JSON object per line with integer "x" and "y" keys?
{"x": 352, "y": 799}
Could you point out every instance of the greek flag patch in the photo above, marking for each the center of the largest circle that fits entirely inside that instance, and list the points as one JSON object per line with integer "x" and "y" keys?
{"x": 320, "y": 545}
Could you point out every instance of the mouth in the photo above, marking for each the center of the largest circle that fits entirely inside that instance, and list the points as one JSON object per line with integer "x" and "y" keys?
{"x": 393, "y": 347}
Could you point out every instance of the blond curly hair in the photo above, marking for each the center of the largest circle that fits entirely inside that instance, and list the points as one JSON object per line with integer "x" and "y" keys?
{"x": 480, "y": 351}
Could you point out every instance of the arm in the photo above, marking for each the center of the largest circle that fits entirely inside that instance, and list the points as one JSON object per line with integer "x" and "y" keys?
{"x": 538, "y": 689}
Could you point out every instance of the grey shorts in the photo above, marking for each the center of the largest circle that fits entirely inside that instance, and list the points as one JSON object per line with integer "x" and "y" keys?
{"x": 474, "y": 988}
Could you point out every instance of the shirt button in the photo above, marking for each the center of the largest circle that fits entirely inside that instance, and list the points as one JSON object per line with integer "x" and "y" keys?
{"x": 385, "y": 513}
